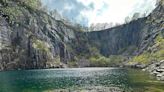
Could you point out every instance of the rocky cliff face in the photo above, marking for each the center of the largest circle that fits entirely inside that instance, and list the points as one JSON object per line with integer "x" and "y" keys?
{"x": 30, "y": 38}
{"x": 119, "y": 39}
{"x": 132, "y": 38}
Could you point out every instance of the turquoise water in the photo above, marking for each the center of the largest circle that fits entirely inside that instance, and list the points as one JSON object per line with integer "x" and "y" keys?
{"x": 48, "y": 80}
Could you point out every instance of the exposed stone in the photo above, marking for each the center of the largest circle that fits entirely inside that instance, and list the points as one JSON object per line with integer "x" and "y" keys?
{"x": 36, "y": 40}
{"x": 160, "y": 70}
{"x": 156, "y": 69}
{"x": 160, "y": 74}
{"x": 162, "y": 64}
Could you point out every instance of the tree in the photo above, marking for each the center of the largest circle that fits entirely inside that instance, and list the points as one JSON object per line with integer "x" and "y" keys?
{"x": 110, "y": 25}
{"x": 145, "y": 14}
{"x": 127, "y": 19}
{"x": 158, "y": 2}
{"x": 117, "y": 24}
{"x": 56, "y": 15}
{"x": 136, "y": 16}
{"x": 35, "y": 4}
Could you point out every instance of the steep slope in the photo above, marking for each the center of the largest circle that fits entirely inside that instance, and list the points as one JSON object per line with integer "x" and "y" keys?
{"x": 122, "y": 43}
{"x": 132, "y": 38}
{"x": 30, "y": 38}
{"x": 118, "y": 39}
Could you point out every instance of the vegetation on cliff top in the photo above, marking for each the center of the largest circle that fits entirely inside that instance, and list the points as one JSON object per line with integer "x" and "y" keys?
{"x": 16, "y": 11}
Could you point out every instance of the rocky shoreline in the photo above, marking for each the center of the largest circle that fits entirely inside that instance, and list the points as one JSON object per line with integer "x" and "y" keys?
{"x": 156, "y": 69}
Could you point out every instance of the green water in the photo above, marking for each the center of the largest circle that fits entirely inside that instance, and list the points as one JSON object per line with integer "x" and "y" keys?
{"x": 48, "y": 80}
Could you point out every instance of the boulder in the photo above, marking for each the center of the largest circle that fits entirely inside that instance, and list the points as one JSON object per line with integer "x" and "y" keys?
{"x": 157, "y": 69}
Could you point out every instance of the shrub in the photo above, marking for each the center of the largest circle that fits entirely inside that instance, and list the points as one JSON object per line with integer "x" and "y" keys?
{"x": 156, "y": 53}
{"x": 143, "y": 58}
{"x": 72, "y": 64}
{"x": 34, "y": 4}
{"x": 13, "y": 12}
{"x": 40, "y": 45}
{"x": 117, "y": 59}
{"x": 99, "y": 61}
{"x": 113, "y": 60}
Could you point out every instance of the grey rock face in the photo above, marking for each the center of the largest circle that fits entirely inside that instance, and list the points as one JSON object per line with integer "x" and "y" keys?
{"x": 117, "y": 40}
{"x": 132, "y": 38}
{"x": 37, "y": 40}
{"x": 157, "y": 69}
{"x": 5, "y": 43}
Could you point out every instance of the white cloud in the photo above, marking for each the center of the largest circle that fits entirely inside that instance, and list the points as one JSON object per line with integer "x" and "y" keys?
{"x": 100, "y": 11}
{"x": 116, "y": 10}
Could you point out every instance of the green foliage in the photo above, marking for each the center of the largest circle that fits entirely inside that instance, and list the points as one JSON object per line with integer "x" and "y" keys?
{"x": 99, "y": 61}
{"x": 94, "y": 51}
{"x": 5, "y": 2}
{"x": 56, "y": 61}
{"x": 113, "y": 60}
{"x": 72, "y": 64}
{"x": 34, "y": 4}
{"x": 147, "y": 57}
{"x": 96, "y": 59}
{"x": 143, "y": 58}
{"x": 117, "y": 59}
{"x": 153, "y": 89}
{"x": 53, "y": 62}
{"x": 40, "y": 45}
{"x": 159, "y": 42}
{"x": 13, "y": 12}
{"x": 15, "y": 8}
{"x": 156, "y": 52}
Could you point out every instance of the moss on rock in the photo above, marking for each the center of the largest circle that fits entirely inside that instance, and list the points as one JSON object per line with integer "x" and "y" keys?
{"x": 41, "y": 45}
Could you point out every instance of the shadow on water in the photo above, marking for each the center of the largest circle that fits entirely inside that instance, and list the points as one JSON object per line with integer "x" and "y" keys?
{"x": 51, "y": 79}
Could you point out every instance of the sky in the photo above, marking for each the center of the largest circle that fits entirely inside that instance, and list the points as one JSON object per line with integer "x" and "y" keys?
{"x": 87, "y": 12}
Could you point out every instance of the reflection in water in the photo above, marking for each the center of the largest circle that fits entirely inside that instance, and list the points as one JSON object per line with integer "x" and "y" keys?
{"x": 77, "y": 78}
